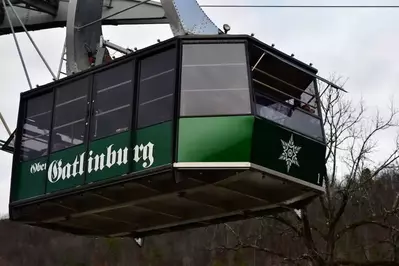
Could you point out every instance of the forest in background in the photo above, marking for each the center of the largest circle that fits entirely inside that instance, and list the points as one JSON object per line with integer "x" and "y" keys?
{"x": 355, "y": 222}
{"x": 371, "y": 239}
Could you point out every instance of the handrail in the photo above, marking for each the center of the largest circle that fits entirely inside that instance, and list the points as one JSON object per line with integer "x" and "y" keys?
{"x": 302, "y": 69}
{"x": 279, "y": 91}
{"x": 289, "y": 84}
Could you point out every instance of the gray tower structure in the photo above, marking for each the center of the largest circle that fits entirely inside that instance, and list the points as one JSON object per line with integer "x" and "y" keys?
{"x": 84, "y": 20}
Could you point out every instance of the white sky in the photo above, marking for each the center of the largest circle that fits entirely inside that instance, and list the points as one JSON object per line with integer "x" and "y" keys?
{"x": 358, "y": 44}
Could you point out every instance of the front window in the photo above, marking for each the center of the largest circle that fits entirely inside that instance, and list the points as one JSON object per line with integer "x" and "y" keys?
{"x": 214, "y": 80}
{"x": 285, "y": 94}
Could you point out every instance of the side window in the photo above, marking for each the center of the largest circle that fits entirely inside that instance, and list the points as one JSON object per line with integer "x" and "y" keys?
{"x": 156, "y": 88}
{"x": 287, "y": 86}
{"x": 113, "y": 98}
{"x": 36, "y": 127}
{"x": 286, "y": 95}
{"x": 214, "y": 80}
{"x": 70, "y": 114}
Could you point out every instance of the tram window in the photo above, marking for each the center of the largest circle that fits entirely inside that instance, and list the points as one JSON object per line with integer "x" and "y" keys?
{"x": 156, "y": 89}
{"x": 288, "y": 114}
{"x": 113, "y": 98}
{"x": 36, "y": 127}
{"x": 214, "y": 80}
{"x": 285, "y": 94}
{"x": 70, "y": 115}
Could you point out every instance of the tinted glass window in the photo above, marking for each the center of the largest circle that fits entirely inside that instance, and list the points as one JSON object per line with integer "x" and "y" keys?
{"x": 36, "y": 127}
{"x": 70, "y": 115}
{"x": 214, "y": 80}
{"x": 113, "y": 98}
{"x": 156, "y": 88}
{"x": 287, "y": 115}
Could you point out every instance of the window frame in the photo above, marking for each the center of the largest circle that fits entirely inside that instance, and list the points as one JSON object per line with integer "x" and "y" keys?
{"x": 319, "y": 110}
{"x": 174, "y": 45}
{"x": 200, "y": 41}
{"x": 92, "y": 100}
{"x": 322, "y": 136}
{"x": 294, "y": 64}
{"x": 86, "y": 117}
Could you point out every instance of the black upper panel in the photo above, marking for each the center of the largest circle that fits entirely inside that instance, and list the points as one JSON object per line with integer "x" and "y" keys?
{"x": 171, "y": 42}
{"x": 70, "y": 113}
{"x": 157, "y": 88}
{"x": 113, "y": 100}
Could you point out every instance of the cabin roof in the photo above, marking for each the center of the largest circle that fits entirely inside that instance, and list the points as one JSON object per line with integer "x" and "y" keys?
{"x": 164, "y": 44}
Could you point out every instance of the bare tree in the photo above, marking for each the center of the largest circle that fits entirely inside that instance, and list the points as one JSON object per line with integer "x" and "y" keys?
{"x": 353, "y": 218}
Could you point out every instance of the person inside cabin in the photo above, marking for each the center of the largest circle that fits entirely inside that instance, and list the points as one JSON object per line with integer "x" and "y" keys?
{"x": 307, "y": 107}
{"x": 304, "y": 104}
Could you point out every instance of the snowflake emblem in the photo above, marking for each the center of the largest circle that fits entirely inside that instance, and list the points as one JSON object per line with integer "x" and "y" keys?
{"x": 290, "y": 152}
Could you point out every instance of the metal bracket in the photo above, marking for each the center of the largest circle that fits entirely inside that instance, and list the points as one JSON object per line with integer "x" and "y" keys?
{"x": 100, "y": 56}
{"x": 103, "y": 53}
{"x": 117, "y": 47}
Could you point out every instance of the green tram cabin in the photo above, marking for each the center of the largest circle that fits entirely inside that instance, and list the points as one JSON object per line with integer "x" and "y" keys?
{"x": 192, "y": 131}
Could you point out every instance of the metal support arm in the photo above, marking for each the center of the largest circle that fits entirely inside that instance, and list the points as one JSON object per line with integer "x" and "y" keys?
{"x": 84, "y": 20}
{"x": 116, "y": 47}
{"x": 49, "y": 7}
{"x": 149, "y": 13}
{"x": 187, "y": 17}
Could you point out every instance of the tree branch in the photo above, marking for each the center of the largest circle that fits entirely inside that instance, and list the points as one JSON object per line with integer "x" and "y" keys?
{"x": 355, "y": 225}
{"x": 266, "y": 250}
{"x": 286, "y": 223}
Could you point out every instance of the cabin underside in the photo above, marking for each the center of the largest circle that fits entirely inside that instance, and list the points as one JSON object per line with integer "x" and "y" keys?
{"x": 168, "y": 199}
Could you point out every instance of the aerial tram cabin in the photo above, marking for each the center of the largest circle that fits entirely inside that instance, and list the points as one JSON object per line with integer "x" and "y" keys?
{"x": 192, "y": 131}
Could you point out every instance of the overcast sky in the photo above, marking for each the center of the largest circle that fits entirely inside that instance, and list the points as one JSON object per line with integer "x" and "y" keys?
{"x": 358, "y": 44}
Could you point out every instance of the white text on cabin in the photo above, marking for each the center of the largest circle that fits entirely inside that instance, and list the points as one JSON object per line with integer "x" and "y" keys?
{"x": 58, "y": 170}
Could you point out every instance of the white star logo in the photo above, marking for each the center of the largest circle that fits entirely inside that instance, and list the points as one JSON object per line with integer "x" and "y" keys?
{"x": 290, "y": 152}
